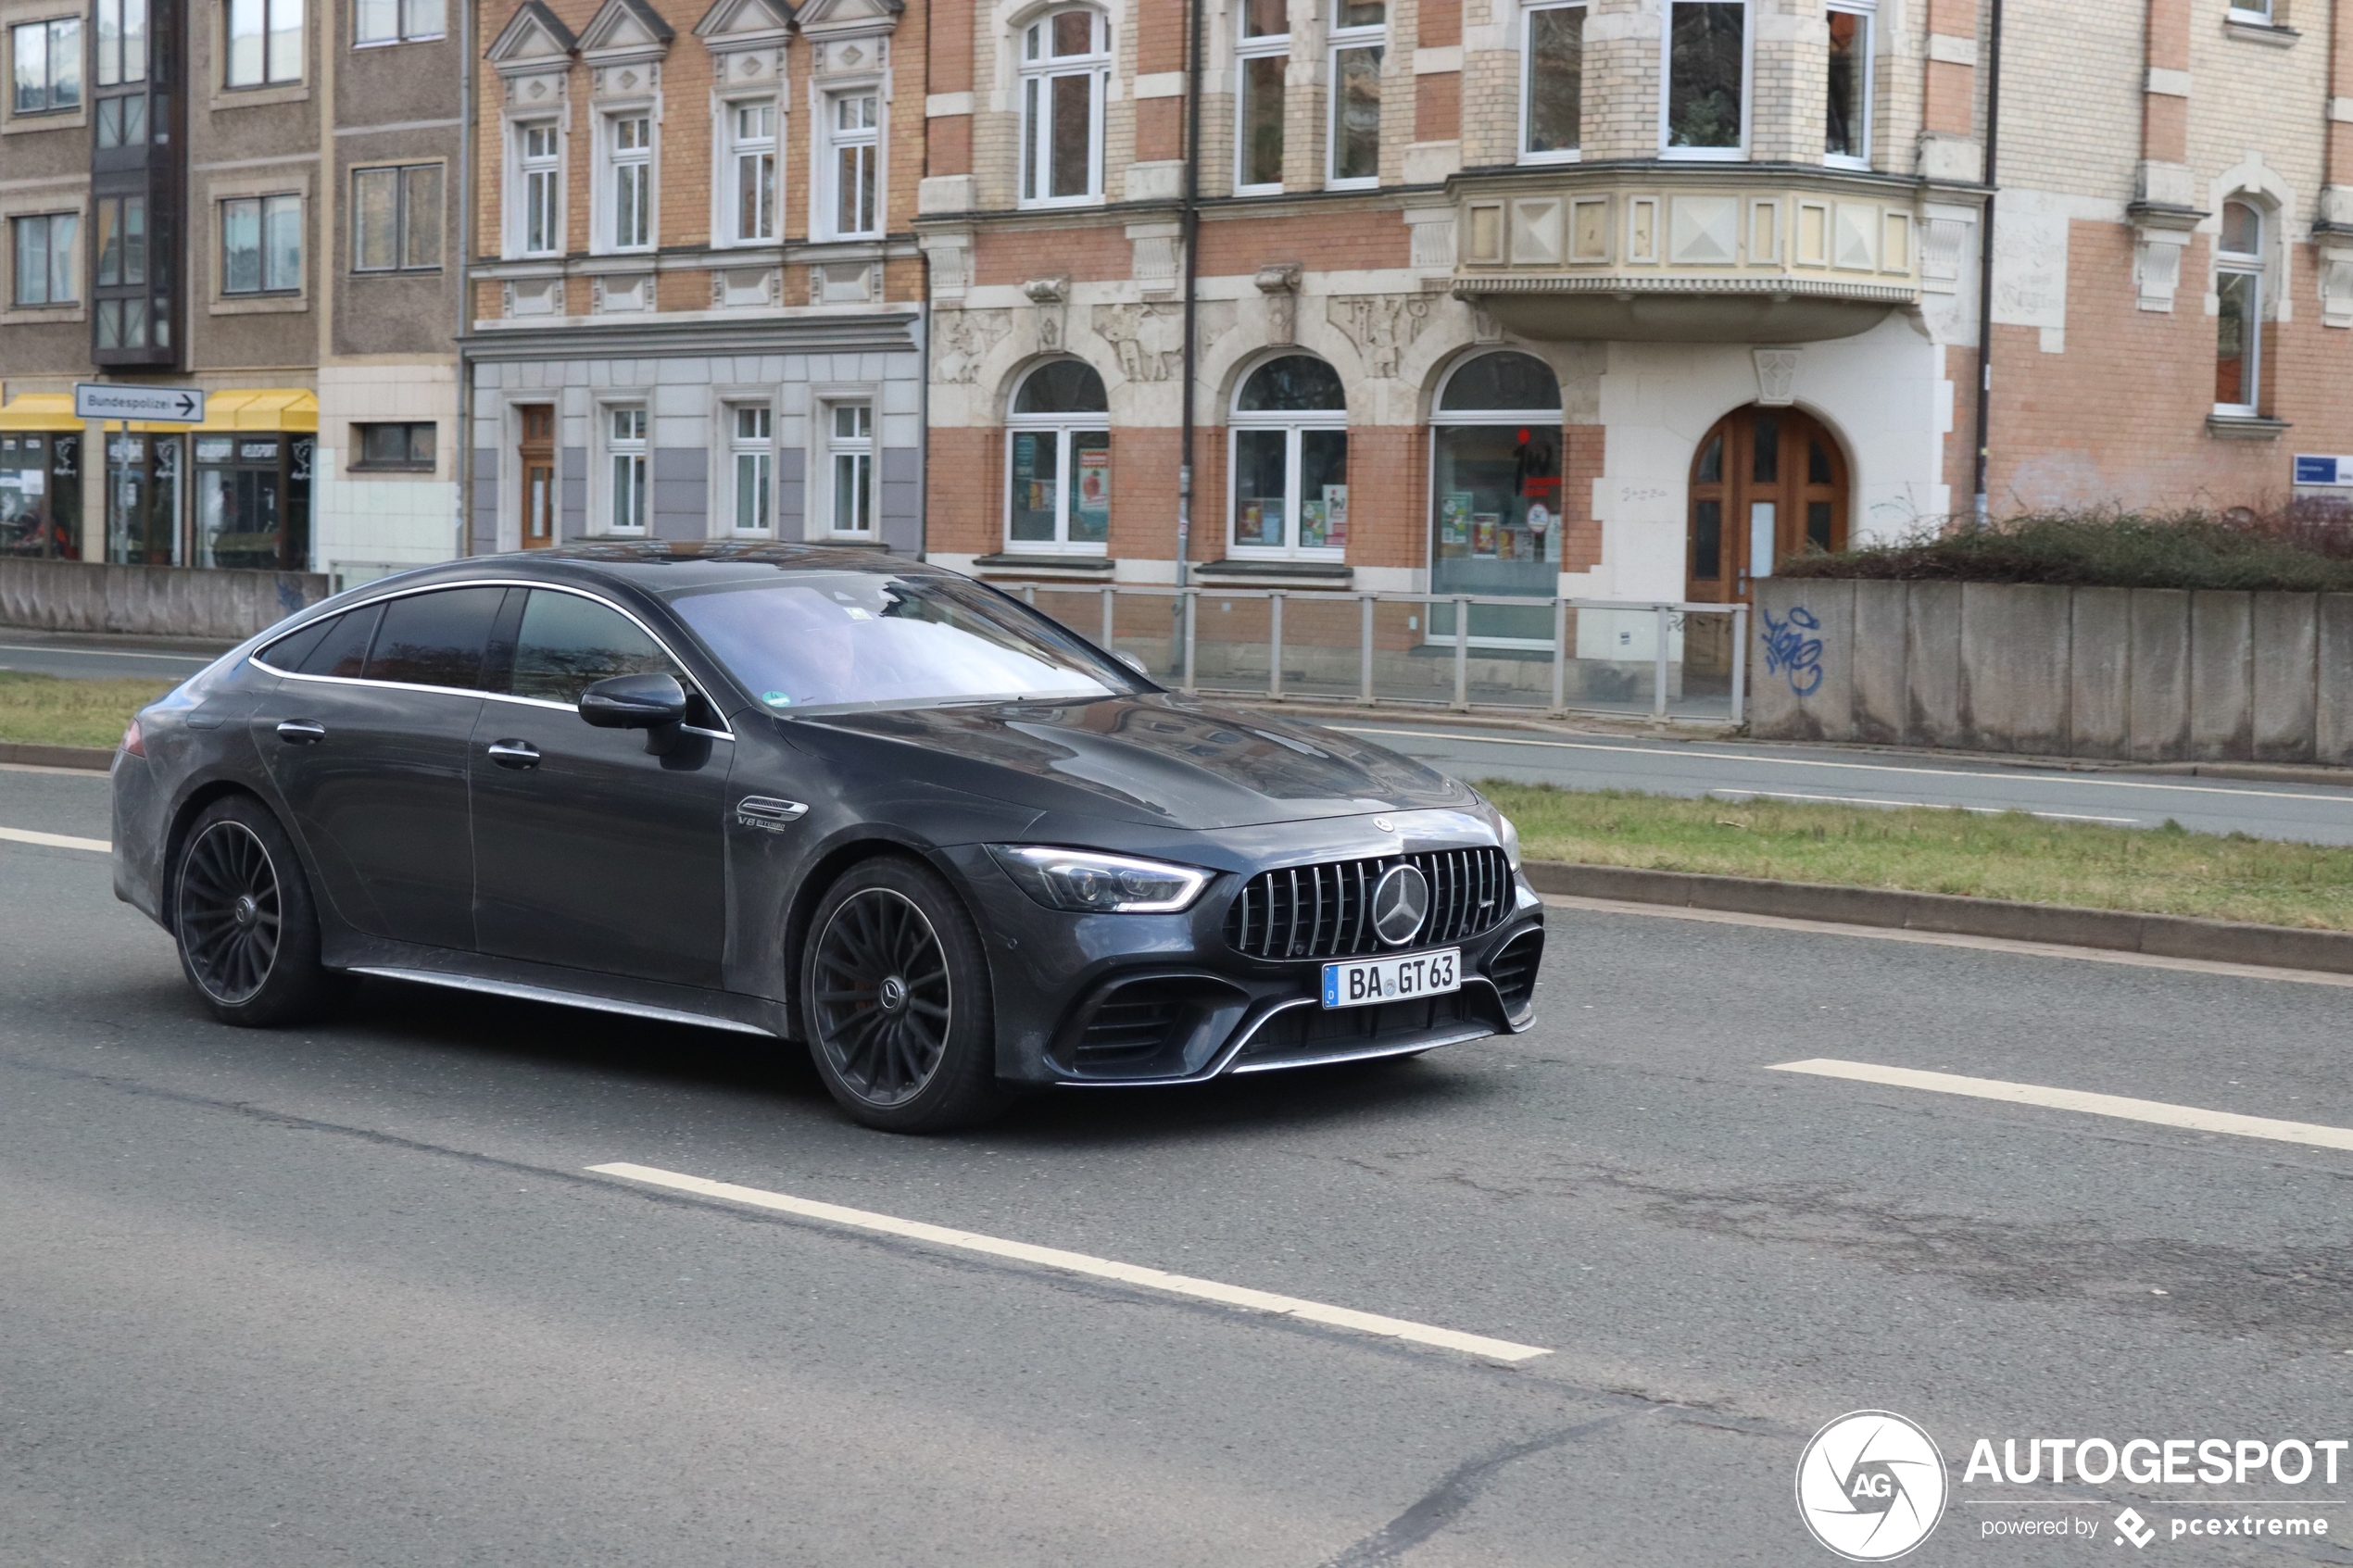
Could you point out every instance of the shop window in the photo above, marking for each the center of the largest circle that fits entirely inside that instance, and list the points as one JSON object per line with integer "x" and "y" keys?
{"x": 41, "y": 494}
{"x": 626, "y": 452}
{"x": 1552, "y": 82}
{"x": 1065, "y": 68}
{"x": 396, "y": 218}
{"x": 629, "y": 175}
{"x": 1704, "y": 110}
{"x": 253, "y": 501}
{"x": 43, "y": 247}
{"x": 1058, "y": 461}
{"x": 752, "y": 449}
{"x": 143, "y": 499}
{"x": 1359, "y": 41}
{"x": 751, "y": 193}
{"x": 1262, "y": 60}
{"x": 395, "y": 448}
{"x": 46, "y": 65}
{"x": 538, "y": 188}
{"x": 853, "y": 140}
{"x": 1496, "y": 500}
{"x": 2238, "y": 289}
{"x": 1288, "y": 446}
{"x": 849, "y": 466}
{"x": 1847, "y": 128}
{"x": 261, "y": 245}
{"x": 397, "y": 21}
{"x": 264, "y": 43}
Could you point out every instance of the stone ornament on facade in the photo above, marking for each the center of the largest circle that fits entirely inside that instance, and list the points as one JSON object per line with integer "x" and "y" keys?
{"x": 1776, "y": 377}
{"x": 961, "y": 341}
{"x": 1148, "y": 339}
{"x": 1051, "y": 297}
{"x": 1382, "y": 326}
{"x": 1279, "y": 284}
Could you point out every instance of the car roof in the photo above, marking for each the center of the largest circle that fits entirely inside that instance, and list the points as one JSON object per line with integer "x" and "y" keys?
{"x": 658, "y": 566}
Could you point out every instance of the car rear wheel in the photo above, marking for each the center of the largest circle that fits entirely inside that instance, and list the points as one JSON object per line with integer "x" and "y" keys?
{"x": 248, "y": 932}
{"x": 894, "y": 990}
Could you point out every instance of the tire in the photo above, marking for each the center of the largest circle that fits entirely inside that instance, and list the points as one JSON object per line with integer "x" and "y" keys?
{"x": 896, "y": 1004}
{"x": 246, "y": 926}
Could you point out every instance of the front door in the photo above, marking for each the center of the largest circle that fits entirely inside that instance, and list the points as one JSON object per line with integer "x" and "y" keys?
{"x": 538, "y": 453}
{"x": 1768, "y": 483}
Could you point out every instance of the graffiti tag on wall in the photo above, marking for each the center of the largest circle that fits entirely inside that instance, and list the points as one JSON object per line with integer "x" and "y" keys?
{"x": 1788, "y": 648}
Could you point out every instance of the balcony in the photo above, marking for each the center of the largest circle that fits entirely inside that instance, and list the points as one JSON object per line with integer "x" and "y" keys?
{"x": 1698, "y": 255}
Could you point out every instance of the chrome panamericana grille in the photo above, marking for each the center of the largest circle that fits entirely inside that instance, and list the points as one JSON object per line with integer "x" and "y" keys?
{"x": 1326, "y": 912}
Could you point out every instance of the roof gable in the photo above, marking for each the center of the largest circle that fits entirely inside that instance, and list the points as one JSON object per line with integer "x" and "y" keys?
{"x": 532, "y": 33}
{"x": 848, "y": 15}
{"x": 626, "y": 28}
{"x": 745, "y": 20}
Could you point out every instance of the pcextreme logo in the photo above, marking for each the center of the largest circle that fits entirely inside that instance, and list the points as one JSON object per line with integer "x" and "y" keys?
{"x": 1870, "y": 1486}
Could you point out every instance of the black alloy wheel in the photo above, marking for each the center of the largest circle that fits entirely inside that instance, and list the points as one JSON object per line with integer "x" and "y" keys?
{"x": 896, "y": 995}
{"x": 241, "y": 908}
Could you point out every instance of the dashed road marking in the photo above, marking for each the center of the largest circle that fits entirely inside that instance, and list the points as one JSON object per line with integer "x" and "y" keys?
{"x": 56, "y": 840}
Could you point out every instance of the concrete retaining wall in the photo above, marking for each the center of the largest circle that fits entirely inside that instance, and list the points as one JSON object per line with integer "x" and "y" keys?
{"x": 2150, "y": 675}
{"x": 166, "y": 601}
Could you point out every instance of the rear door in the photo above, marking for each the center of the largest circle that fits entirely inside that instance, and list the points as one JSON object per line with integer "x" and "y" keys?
{"x": 366, "y": 740}
{"x": 591, "y": 851}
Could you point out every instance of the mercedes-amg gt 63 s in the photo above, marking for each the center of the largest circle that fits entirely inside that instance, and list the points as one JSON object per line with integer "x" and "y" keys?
{"x": 821, "y": 796}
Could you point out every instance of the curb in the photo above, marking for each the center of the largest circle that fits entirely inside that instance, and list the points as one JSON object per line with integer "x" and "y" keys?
{"x": 97, "y": 758}
{"x": 2172, "y": 937}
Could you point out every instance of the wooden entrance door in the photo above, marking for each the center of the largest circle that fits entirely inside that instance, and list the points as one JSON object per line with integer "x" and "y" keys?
{"x": 1765, "y": 484}
{"x": 538, "y": 453}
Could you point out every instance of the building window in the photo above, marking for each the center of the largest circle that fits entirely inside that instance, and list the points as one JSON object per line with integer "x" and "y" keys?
{"x": 396, "y": 21}
{"x": 850, "y": 454}
{"x": 1360, "y": 35}
{"x": 629, "y": 156}
{"x": 1703, "y": 112}
{"x": 1552, "y": 94}
{"x": 1289, "y": 461}
{"x": 122, "y": 121}
{"x": 265, "y": 43}
{"x": 396, "y": 218}
{"x": 2238, "y": 286}
{"x": 1065, "y": 63}
{"x": 853, "y": 133}
{"x": 122, "y": 42}
{"x": 253, "y": 501}
{"x": 752, "y": 451}
{"x": 48, "y": 65}
{"x": 125, "y": 322}
{"x": 44, "y": 250}
{"x": 393, "y": 449}
{"x": 752, "y": 191}
{"x": 1495, "y": 494}
{"x": 539, "y": 187}
{"x": 1847, "y": 131}
{"x": 1264, "y": 59}
{"x": 625, "y": 446}
{"x": 2256, "y": 11}
{"x": 262, "y": 245}
{"x": 1058, "y": 448}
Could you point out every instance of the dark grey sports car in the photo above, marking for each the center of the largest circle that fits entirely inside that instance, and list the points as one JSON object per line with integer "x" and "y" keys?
{"x": 819, "y": 797}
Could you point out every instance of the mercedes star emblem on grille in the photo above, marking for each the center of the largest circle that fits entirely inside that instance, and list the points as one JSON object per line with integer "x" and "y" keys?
{"x": 1400, "y": 900}
{"x": 1384, "y": 824}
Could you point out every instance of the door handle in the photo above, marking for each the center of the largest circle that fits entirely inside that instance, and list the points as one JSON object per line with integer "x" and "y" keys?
{"x": 301, "y": 732}
{"x": 515, "y": 754}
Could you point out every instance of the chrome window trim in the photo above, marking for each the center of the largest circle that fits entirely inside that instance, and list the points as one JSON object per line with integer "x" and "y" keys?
{"x": 668, "y": 652}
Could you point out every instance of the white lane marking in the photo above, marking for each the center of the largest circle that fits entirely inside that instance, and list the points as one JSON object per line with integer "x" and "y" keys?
{"x": 1981, "y": 775}
{"x": 106, "y": 653}
{"x": 56, "y": 840}
{"x": 1734, "y": 792}
{"x": 1949, "y": 939}
{"x": 1080, "y": 1263}
{"x": 2164, "y": 1115}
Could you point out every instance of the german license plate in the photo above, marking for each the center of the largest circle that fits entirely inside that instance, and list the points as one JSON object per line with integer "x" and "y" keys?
{"x": 1366, "y": 981}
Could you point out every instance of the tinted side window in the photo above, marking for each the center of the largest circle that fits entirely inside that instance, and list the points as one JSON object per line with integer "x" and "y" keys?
{"x": 435, "y": 639}
{"x": 287, "y": 653}
{"x": 344, "y": 649}
{"x": 568, "y": 643}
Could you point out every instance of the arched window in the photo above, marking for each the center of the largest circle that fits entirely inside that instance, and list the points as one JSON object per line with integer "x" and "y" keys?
{"x": 1065, "y": 63}
{"x": 1495, "y": 501}
{"x": 1289, "y": 455}
{"x": 1058, "y": 461}
{"x": 2238, "y": 289}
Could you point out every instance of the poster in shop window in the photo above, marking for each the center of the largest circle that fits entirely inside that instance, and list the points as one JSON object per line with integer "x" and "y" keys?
{"x": 1335, "y": 515}
{"x": 1094, "y": 481}
{"x": 1454, "y": 517}
{"x": 1486, "y": 533}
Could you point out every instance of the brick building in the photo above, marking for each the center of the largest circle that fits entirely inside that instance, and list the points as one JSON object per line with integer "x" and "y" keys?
{"x": 1614, "y": 298}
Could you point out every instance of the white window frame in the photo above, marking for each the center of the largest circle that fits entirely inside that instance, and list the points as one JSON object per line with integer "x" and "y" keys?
{"x": 1339, "y": 41}
{"x": 1276, "y": 46}
{"x": 831, "y": 139}
{"x": 1528, "y": 81}
{"x": 2255, "y": 13}
{"x": 1866, "y": 12}
{"x": 1061, "y": 428}
{"x": 619, "y": 497}
{"x": 273, "y": 13}
{"x": 1295, "y": 425}
{"x": 1036, "y": 104}
{"x": 414, "y": 22}
{"x": 2255, "y": 266}
{"x": 854, "y": 448}
{"x": 730, "y": 226}
{"x": 1748, "y": 87}
{"x": 751, "y": 466}
{"x": 526, "y": 169}
{"x": 615, "y": 163}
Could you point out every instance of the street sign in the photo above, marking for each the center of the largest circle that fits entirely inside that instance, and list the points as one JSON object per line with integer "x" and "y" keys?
{"x": 2314, "y": 469}
{"x": 114, "y": 400}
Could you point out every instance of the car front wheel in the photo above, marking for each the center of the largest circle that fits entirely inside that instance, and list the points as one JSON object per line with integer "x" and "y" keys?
{"x": 248, "y": 932}
{"x": 894, "y": 995}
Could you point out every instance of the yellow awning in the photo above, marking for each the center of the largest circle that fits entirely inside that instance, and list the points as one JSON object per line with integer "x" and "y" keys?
{"x": 40, "y": 410}
{"x": 287, "y": 408}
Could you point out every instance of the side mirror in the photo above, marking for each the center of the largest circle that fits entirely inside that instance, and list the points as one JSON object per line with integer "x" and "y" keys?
{"x": 635, "y": 702}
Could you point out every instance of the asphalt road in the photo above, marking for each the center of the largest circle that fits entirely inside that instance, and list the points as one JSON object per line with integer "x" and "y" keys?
{"x": 108, "y": 658}
{"x": 1732, "y": 771}
{"x": 351, "y": 1294}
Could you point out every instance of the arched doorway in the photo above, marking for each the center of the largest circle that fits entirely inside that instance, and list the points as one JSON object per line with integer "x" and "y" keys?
{"x": 1765, "y": 484}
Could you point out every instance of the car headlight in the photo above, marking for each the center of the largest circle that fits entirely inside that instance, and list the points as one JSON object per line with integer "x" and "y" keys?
{"x": 1093, "y": 882}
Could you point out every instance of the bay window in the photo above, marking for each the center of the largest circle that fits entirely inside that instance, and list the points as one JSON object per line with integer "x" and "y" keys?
{"x": 1703, "y": 112}
{"x": 1846, "y": 138}
{"x": 1551, "y": 107}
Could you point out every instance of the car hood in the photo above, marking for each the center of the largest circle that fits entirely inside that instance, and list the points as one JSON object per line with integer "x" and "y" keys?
{"x": 1159, "y": 759}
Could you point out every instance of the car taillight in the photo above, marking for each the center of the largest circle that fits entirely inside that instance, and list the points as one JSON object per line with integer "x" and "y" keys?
{"x": 132, "y": 743}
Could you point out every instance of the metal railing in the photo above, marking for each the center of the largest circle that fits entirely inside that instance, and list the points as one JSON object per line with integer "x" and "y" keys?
{"x": 1295, "y": 644}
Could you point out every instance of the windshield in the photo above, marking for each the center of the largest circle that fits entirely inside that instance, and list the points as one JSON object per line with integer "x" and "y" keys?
{"x": 829, "y": 641}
